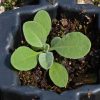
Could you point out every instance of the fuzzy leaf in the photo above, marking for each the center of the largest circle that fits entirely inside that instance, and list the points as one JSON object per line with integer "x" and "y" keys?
{"x": 34, "y": 33}
{"x": 44, "y": 19}
{"x": 24, "y": 59}
{"x": 74, "y": 45}
{"x": 46, "y": 60}
{"x": 55, "y": 41}
{"x": 58, "y": 75}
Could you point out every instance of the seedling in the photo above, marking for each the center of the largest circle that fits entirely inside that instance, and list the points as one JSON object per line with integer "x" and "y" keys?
{"x": 73, "y": 45}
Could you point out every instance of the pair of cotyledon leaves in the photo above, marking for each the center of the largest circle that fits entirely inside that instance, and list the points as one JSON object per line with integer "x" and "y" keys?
{"x": 74, "y": 45}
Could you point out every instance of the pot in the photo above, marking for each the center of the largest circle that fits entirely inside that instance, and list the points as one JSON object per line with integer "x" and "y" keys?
{"x": 27, "y": 2}
{"x": 10, "y": 29}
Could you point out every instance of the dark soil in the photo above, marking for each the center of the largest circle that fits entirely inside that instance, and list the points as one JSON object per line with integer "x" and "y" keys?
{"x": 82, "y": 71}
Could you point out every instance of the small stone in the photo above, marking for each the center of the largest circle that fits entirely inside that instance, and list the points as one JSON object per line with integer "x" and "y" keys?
{"x": 83, "y": 61}
{"x": 70, "y": 63}
{"x": 64, "y": 22}
{"x": 80, "y": 26}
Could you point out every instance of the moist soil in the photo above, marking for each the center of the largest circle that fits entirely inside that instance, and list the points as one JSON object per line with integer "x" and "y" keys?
{"x": 82, "y": 71}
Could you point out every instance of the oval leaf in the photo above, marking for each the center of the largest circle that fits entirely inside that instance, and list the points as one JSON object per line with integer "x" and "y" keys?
{"x": 44, "y": 19}
{"x": 46, "y": 60}
{"x": 24, "y": 59}
{"x": 74, "y": 45}
{"x": 55, "y": 41}
{"x": 34, "y": 33}
{"x": 58, "y": 75}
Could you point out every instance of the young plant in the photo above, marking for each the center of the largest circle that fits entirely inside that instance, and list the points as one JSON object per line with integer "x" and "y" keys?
{"x": 73, "y": 45}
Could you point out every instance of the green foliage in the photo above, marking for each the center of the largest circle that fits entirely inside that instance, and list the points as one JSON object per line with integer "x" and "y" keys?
{"x": 34, "y": 33}
{"x": 58, "y": 75}
{"x": 44, "y": 19}
{"x": 24, "y": 58}
{"x": 74, "y": 45}
{"x": 46, "y": 60}
{"x": 55, "y": 41}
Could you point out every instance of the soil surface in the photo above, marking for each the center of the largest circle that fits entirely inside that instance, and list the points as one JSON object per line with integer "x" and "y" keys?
{"x": 82, "y": 71}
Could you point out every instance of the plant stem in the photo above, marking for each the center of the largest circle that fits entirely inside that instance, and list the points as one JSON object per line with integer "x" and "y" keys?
{"x": 51, "y": 49}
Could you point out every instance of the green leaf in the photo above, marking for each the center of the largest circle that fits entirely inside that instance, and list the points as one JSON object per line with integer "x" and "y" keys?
{"x": 58, "y": 75}
{"x": 24, "y": 59}
{"x": 44, "y": 19}
{"x": 55, "y": 41}
{"x": 34, "y": 33}
{"x": 74, "y": 45}
{"x": 46, "y": 60}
